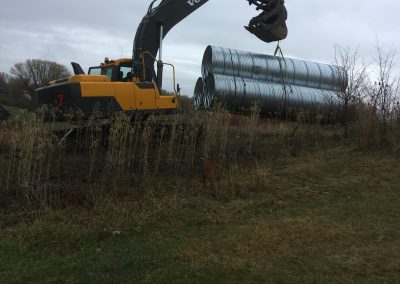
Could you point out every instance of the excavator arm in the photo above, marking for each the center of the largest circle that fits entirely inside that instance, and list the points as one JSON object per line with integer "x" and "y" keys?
{"x": 152, "y": 30}
{"x": 269, "y": 26}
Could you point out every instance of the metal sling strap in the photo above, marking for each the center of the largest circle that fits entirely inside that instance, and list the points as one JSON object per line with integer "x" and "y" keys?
{"x": 279, "y": 55}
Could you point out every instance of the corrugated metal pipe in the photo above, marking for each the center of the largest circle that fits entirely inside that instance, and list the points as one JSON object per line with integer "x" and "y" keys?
{"x": 240, "y": 93}
{"x": 239, "y": 78}
{"x": 199, "y": 94}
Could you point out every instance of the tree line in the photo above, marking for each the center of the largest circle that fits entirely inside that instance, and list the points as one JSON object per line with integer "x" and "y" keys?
{"x": 18, "y": 87}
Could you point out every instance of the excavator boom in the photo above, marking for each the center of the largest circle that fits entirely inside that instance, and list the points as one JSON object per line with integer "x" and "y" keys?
{"x": 153, "y": 28}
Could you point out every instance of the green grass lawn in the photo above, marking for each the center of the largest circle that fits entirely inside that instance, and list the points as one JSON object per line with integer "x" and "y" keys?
{"x": 330, "y": 217}
{"x": 12, "y": 110}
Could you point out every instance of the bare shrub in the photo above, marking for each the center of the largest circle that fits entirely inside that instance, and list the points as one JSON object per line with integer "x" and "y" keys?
{"x": 352, "y": 84}
{"x": 384, "y": 92}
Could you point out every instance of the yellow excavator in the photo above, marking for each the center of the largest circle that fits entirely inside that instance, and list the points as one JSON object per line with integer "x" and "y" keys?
{"x": 133, "y": 84}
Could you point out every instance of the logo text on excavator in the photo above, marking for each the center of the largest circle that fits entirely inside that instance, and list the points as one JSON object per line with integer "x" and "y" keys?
{"x": 193, "y": 2}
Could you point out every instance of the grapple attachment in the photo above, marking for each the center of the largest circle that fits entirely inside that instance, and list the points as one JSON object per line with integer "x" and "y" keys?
{"x": 270, "y": 25}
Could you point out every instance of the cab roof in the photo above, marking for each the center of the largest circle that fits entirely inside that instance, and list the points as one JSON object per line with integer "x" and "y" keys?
{"x": 116, "y": 62}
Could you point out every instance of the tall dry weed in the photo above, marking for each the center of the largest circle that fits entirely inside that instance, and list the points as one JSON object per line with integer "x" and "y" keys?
{"x": 33, "y": 161}
{"x": 137, "y": 154}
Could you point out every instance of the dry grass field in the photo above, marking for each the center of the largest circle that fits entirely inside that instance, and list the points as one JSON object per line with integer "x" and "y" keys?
{"x": 206, "y": 197}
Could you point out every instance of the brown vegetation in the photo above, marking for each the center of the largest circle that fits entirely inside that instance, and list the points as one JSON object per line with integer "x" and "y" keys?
{"x": 43, "y": 169}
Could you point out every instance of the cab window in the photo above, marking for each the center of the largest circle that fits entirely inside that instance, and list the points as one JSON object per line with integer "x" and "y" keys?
{"x": 95, "y": 71}
{"x": 125, "y": 72}
{"x": 108, "y": 71}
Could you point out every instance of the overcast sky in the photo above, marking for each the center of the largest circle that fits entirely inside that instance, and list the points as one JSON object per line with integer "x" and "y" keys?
{"x": 86, "y": 31}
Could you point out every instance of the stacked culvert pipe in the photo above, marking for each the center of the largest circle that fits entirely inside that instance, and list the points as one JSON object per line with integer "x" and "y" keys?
{"x": 199, "y": 94}
{"x": 238, "y": 79}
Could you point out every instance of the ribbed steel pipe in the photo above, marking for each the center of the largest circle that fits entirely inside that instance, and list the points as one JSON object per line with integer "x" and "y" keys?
{"x": 199, "y": 94}
{"x": 240, "y": 93}
{"x": 232, "y": 62}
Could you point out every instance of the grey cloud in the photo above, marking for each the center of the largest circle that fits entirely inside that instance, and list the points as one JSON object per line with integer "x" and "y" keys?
{"x": 88, "y": 30}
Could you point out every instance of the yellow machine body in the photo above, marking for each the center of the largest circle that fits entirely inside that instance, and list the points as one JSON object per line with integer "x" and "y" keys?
{"x": 114, "y": 89}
